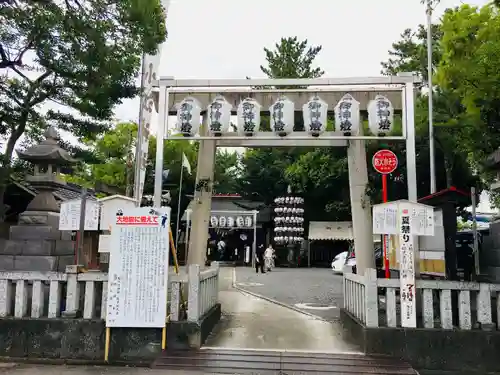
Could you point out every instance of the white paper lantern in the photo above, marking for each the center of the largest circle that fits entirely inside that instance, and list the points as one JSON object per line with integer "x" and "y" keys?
{"x": 214, "y": 221}
{"x": 240, "y": 221}
{"x": 248, "y": 117}
{"x": 314, "y": 113}
{"x": 380, "y": 116}
{"x": 282, "y": 116}
{"x": 222, "y": 221}
{"x": 219, "y": 116}
{"x": 347, "y": 115}
{"x": 230, "y": 221}
{"x": 248, "y": 221}
{"x": 188, "y": 117}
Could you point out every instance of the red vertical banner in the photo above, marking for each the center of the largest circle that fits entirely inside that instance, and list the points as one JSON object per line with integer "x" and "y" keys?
{"x": 385, "y": 162}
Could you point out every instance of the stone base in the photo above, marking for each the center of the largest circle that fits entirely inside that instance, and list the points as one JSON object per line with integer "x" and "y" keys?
{"x": 36, "y": 255}
{"x": 188, "y": 335}
{"x": 474, "y": 352}
{"x": 83, "y": 341}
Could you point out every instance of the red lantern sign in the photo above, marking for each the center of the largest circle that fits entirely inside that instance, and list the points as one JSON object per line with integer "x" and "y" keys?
{"x": 385, "y": 161}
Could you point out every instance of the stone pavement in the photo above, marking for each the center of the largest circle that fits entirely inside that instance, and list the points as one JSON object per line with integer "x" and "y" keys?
{"x": 22, "y": 369}
{"x": 315, "y": 291}
{"x": 249, "y": 322}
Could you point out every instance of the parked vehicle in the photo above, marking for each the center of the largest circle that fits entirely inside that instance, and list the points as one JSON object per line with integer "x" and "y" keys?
{"x": 338, "y": 262}
{"x": 350, "y": 261}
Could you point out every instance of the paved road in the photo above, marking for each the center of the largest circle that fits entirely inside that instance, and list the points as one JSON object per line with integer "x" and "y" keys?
{"x": 316, "y": 286}
{"x": 249, "y": 322}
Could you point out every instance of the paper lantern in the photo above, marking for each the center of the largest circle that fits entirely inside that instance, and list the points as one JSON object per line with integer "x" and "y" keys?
{"x": 248, "y": 117}
{"x": 248, "y": 221}
{"x": 347, "y": 115}
{"x": 222, "y": 221}
{"x": 380, "y": 116}
{"x": 230, "y": 222}
{"x": 214, "y": 221}
{"x": 219, "y": 116}
{"x": 240, "y": 221}
{"x": 314, "y": 113}
{"x": 282, "y": 116}
{"x": 188, "y": 117}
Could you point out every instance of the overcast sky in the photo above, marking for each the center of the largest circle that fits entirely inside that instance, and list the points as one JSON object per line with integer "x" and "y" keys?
{"x": 225, "y": 38}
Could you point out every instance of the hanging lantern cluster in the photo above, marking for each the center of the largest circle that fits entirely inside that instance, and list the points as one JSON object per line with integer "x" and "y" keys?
{"x": 288, "y": 220}
{"x": 282, "y": 116}
{"x": 231, "y": 222}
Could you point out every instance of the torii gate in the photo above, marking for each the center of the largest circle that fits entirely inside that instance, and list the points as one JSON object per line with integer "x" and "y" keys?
{"x": 398, "y": 89}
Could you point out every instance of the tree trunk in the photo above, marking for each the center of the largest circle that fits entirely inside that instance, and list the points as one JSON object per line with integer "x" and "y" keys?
{"x": 5, "y": 169}
{"x": 448, "y": 167}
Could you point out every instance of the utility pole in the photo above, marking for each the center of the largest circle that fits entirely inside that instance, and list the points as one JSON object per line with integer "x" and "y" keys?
{"x": 432, "y": 156}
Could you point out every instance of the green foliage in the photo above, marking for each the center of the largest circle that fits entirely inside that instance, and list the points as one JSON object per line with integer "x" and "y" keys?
{"x": 78, "y": 58}
{"x": 470, "y": 70}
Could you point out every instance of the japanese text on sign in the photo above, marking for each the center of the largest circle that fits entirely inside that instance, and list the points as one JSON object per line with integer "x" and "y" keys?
{"x": 138, "y": 269}
{"x": 407, "y": 269}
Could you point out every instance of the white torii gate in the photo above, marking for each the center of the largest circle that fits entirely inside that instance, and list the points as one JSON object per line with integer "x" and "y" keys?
{"x": 398, "y": 89}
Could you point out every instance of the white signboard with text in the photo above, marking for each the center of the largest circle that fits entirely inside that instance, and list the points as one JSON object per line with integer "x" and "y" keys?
{"x": 69, "y": 216}
{"x": 138, "y": 268}
{"x": 408, "y": 220}
{"x": 407, "y": 267}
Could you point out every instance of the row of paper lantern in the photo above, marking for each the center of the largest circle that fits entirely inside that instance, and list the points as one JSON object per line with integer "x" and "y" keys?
{"x": 289, "y": 219}
{"x": 282, "y": 115}
{"x": 288, "y": 239}
{"x": 230, "y": 221}
{"x": 289, "y": 229}
{"x": 289, "y": 200}
{"x": 291, "y": 210}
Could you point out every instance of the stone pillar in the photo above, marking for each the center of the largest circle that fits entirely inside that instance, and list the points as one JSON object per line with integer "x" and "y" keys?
{"x": 360, "y": 206}
{"x": 202, "y": 204}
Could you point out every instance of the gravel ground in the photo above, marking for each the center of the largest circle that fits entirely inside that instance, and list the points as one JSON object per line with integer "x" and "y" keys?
{"x": 291, "y": 286}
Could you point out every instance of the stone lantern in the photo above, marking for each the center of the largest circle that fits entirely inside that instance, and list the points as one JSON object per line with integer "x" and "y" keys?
{"x": 36, "y": 243}
{"x": 48, "y": 158}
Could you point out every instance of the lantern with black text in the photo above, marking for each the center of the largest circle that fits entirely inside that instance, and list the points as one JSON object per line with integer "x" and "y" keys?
{"x": 380, "y": 116}
{"x": 282, "y": 115}
{"x": 188, "y": 117}
{"x": 219, "y": 116}
{"x": 314, "y": 113}
{"x": 248, "y": 117}
{"x": 347, "y": 115}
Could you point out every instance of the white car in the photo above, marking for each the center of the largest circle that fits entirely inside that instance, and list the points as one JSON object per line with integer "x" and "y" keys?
{"x": 338, "y": 262}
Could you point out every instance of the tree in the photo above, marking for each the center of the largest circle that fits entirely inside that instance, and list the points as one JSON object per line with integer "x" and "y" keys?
{"x": 69, "y": 63}
{"x": 115, "y": 152}
{"x": 263, "y": 175}
{"x": 410, "y": 54}
{"x": 227, "y": 172}
{"x": 470, "y": 69}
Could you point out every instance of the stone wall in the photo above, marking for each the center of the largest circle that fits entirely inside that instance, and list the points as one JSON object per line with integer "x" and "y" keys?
{"x": 83, "y": 340}
{"x": 472, "y": 351}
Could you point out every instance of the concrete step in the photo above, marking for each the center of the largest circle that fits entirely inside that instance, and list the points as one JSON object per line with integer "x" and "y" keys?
{"x": 228, "y": 361}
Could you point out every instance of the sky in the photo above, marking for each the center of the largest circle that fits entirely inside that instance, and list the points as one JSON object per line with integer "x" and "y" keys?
{"x": 225, "y": 38}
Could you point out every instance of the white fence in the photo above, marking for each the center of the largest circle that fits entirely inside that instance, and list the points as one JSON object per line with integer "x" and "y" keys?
{"x": 84, "y": 295}
{"x": 375, "y": 302}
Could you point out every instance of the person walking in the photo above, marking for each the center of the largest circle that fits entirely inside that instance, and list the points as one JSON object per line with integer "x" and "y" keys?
{"x": 259, "y": 259}
{"x": 269, "y": 258}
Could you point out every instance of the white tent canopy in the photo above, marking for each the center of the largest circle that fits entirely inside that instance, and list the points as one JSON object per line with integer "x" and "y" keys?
{"x": 333, "y": 231}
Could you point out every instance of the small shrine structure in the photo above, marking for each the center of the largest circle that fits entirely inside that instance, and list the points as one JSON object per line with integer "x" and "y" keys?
{"x": 36, "y": 243}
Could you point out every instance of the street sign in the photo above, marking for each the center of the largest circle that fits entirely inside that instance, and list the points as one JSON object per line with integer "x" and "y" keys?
{"x": 385, "y": 161}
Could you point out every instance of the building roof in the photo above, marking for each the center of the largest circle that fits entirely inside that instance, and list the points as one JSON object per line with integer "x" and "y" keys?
{"x": 63, "y": 193}
{"x": 333, "y": 231}
{"x": 232, "y": 204}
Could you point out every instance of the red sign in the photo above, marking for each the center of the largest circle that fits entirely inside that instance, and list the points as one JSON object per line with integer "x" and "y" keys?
{"x": 385, "y": 161}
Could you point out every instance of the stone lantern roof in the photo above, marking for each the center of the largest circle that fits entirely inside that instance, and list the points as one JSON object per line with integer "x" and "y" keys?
{"x": 48, "y": 151}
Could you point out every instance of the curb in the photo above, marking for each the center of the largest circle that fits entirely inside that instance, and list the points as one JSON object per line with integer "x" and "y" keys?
{"x": 272, "y": 300}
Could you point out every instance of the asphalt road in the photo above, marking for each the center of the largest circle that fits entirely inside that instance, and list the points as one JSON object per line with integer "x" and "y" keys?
{"x": 315, "y": 291}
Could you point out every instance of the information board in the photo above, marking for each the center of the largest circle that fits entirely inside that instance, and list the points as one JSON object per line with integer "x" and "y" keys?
{"x": 69, "y": 216}
{"x": 385, "y": 219}
{"x": 407, "y": 268}
{"x": 138, "y": 268}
